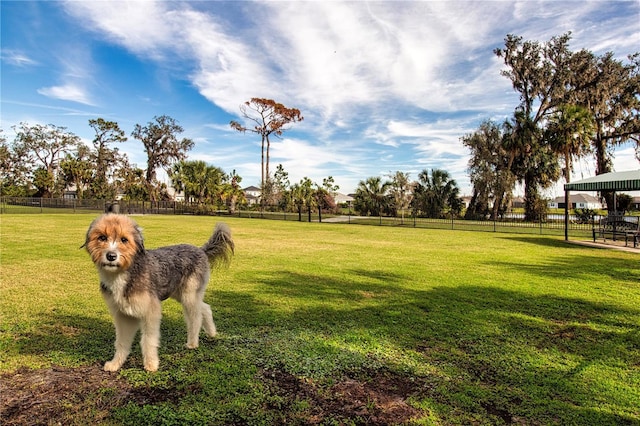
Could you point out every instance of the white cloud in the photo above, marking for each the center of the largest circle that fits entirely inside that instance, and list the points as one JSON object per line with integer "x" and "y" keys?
{"x": 226, "y": 72}
{"x": 361, "y": 73}
{"x": 223, "y": 68}
{"x": 300, "y": 157}
{"x": 625, "y": 159}
{"x": 17, "y": 58}
{"x": 445, "y": 132}
{"x": 67, "y": 92}
{"x": 341, "y": 55}
{"x": 144, "y": 27}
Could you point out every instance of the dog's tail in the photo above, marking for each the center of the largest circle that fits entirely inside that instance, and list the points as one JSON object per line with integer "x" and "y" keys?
{"x": 220, "y": 246}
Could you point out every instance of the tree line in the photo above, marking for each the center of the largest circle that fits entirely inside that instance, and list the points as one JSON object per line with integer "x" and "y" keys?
{"x": 571, "y": 104}
{"x": 434, "y": 195}
{"x": 46, "y": 160}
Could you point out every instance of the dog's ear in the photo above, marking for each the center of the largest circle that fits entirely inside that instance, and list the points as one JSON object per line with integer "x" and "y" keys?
{"x": 86, "y": 238}
{"x": 139, "y": 239}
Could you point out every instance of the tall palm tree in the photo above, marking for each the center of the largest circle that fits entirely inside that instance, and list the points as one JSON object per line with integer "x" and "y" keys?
{"x": 569, "y": 133}
{"x": 370, "y": 198}
{"x": 532, "y": 161}
{"x": 231, "y": 193}
{"x": 436, "y": 193}
{"x": 401, "y": 191}
{"x": 198, "y": 180}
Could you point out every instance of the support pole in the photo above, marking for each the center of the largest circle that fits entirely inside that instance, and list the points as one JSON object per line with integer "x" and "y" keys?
{"x": 566, "y": 214}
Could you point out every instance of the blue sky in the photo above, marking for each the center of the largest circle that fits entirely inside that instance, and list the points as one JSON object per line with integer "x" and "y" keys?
{"x": 383, "y": 86}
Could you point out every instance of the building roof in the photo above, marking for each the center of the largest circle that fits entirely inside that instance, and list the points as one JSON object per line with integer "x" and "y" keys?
{"x": 614, "y": 181}
{"x": 342, "y": 198}
{"x": 579, "y": 198}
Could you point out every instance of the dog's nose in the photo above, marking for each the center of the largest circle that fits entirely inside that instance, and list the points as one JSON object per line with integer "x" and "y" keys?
{"x": 111, "y": 256}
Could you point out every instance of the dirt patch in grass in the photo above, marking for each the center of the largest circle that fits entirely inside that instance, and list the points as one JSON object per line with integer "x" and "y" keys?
{"x": 378, "y": 400}
{"x": 79, "y": 395}
{"x": 85, "y": 395}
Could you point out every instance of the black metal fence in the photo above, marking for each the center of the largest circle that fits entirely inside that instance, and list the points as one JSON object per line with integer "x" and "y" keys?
{"x": 549, "y": 224}
{"x": 66, "y": 205}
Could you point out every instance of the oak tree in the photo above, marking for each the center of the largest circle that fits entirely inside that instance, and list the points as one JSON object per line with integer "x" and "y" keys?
{"x": 105, "y": 159}
{"x": 542, "y": 75}
{"x": 490, "y": 169}
{"x": 162, "y": 146}
{"x": 43, "y": 147}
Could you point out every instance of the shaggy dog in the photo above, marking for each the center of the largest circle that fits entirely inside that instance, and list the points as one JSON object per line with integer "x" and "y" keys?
{"x": 135, "y": 281}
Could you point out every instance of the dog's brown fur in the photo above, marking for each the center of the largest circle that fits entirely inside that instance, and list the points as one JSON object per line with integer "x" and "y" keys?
{"x": 135, "y": 281}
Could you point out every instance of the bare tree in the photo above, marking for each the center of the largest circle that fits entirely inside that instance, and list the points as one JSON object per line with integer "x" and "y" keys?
{"x": 270, "y": 118}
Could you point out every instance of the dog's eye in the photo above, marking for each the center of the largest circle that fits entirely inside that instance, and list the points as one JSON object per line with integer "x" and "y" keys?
{"x": 124, "y": 240}
{"x": 102, "y": 238}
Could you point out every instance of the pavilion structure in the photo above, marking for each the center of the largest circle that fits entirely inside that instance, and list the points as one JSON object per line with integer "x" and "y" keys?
{"x": 614, "y": 181}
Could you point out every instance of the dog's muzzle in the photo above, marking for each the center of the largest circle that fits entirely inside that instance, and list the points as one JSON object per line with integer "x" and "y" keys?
{"x": 110, "y": 260}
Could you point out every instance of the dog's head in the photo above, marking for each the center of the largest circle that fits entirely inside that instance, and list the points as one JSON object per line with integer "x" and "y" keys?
{"x": 113, "y": 241}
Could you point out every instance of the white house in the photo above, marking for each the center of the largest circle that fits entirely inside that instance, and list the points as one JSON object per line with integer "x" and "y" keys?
{"x": 342, "y": 198}
{"x": 252, "y": 194}
{"x": 577, "y": 201}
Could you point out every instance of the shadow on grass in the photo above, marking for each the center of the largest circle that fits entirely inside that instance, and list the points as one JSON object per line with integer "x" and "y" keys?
{"x": 541, "y": 241}
{"x": 502, "y": 355}
{"x": 465, "y": 353}
{"x": 66, "y": 339}
{"x": 584, "y": 266}
{"x": 69, "y": 340}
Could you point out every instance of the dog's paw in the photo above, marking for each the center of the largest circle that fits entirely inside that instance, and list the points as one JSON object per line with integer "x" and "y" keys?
{"x": 151, "y": 366}
{"x": 191, "y": 345}
{"x": 111, "y": 366}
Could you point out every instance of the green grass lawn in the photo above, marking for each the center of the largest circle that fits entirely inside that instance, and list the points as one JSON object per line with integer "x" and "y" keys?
{"x": 334, "y": 324}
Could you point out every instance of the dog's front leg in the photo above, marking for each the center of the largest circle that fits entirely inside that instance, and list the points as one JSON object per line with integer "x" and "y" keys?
{"x": 150, "y": 340}
{"x": 126, "y": 328}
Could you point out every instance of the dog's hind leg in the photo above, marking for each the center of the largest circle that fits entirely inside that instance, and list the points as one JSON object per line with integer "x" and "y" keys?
{"x": 126, "y": 328}
{"x": 150, "y": 340}
{"x": 207, "y": 320}
{"x": 191, "y": 307}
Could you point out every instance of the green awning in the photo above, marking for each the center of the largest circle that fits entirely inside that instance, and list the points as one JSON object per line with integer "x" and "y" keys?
{"x": 614, "y": 181}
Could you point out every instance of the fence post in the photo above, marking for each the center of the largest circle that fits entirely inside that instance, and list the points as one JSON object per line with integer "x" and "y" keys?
{"x": 541, "y": 224}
